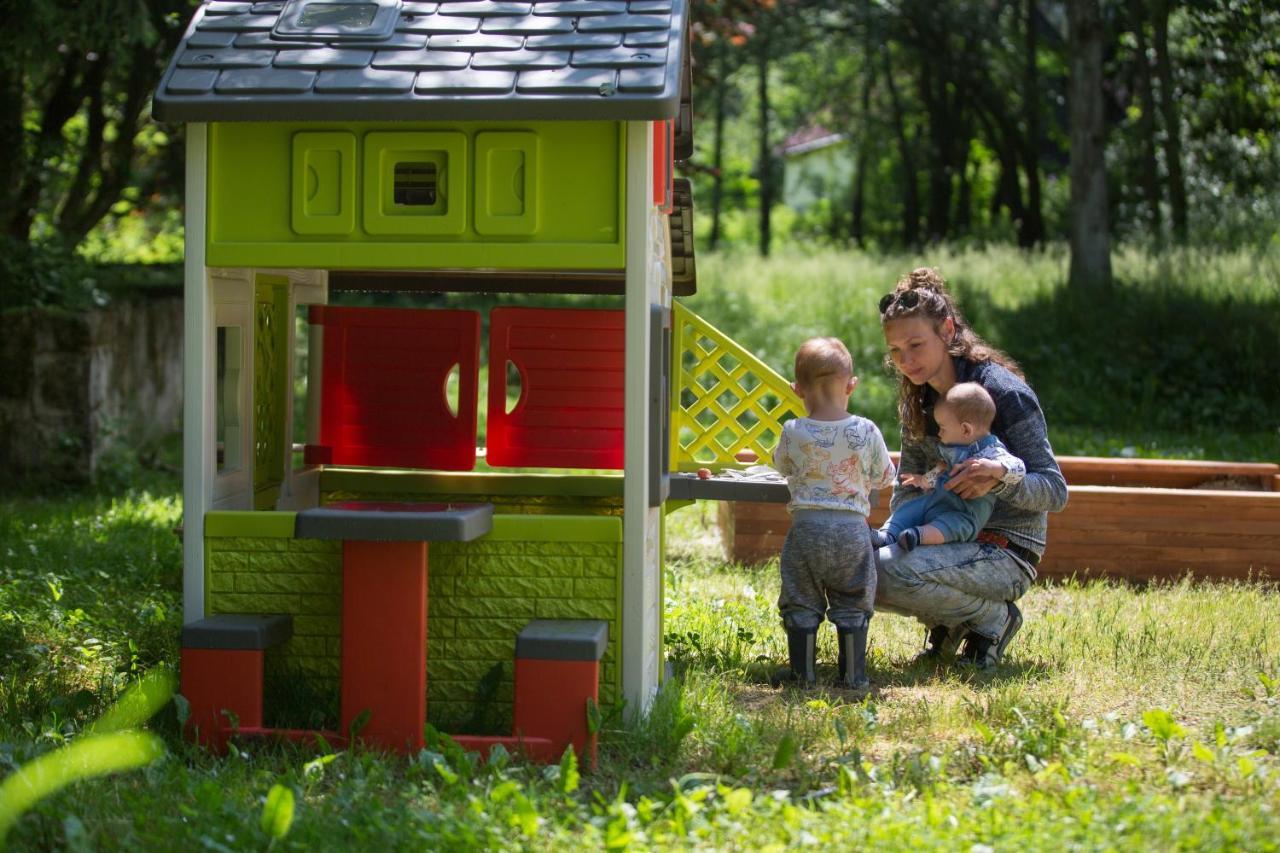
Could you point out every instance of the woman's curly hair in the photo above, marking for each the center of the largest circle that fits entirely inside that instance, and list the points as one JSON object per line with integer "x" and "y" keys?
{"x": 923, "y": 293}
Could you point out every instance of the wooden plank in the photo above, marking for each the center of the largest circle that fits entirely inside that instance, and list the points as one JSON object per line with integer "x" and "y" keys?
{"x": 1188, "y": 557}
{"x": 1164, "y": 473}
{"x": 1263, "y": 546}
{"x": 1075, "y": 522}
{"x": 1124, "y": 531}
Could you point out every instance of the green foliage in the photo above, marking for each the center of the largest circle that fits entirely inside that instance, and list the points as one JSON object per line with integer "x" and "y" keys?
{"x": 108, "y": 746}
{"x": 44, "y": 274}
{"x": 277, "y": 812}
{"x": 1175, "y": 361}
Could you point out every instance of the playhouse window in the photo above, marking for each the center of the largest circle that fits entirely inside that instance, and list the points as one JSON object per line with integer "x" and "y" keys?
{"x": 415, "y": 184}
{"x": 227, "y": 382}
{"x": 345, "y": 15}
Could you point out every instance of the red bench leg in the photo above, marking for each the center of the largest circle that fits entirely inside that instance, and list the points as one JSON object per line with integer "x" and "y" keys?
{"x": 384, "y": 641}
{"x": 551, "y": 702}
{"x": 218, "y": 680}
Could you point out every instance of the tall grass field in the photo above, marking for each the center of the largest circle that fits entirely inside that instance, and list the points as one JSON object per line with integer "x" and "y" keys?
{"x": 1123, "y": 717}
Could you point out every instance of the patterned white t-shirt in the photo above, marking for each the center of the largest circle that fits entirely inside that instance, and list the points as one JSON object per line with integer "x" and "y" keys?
{"x": 833, "y": 464}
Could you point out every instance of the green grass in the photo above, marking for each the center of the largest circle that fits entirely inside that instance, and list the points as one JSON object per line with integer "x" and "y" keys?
{"x": 1058, "y": 747}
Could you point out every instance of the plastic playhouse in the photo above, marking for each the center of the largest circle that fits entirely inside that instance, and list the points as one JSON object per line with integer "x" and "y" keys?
{"x": 338, "y": 538}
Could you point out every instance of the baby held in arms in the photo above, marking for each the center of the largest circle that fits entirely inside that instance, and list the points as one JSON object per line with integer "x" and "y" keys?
{"x": 964, "y": 416}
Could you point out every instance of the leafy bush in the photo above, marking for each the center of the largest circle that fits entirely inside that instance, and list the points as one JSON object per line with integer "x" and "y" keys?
{"x": 44, "y": 274}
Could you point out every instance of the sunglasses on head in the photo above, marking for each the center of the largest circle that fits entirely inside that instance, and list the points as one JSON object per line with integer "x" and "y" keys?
{"x": 907, "y": 299}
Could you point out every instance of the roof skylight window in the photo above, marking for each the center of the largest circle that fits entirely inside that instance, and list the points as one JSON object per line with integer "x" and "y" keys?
{"x": 337, "y": 20}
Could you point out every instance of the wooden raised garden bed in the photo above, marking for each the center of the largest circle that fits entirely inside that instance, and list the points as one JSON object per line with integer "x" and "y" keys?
{"x": 1131, "y": 518}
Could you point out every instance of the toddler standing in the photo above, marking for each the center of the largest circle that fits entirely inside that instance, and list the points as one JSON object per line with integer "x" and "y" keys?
{"x": 832, "y": 461}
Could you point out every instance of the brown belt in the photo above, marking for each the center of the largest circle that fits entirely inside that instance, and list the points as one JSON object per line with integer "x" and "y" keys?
{"x": 1002, "y": 541}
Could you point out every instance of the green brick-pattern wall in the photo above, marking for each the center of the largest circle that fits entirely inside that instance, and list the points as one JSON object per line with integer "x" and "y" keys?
{"x": 254, "y": 565}
{"x": 480, "y": 595}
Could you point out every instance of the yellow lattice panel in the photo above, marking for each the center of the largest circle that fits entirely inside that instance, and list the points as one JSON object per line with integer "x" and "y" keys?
{"x": 723, "y": 398}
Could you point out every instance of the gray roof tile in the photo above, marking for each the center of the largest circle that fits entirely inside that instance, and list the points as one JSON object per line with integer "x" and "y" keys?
{"x": 185, "y": 82}
{"x": 581, "y": 8}
{"x": 526, "y": 25}
{"x": 519, "y": 60}
{"x": 476, "y": 43}
{"x": 264, "y": 41}
{"x": 228, "y": 8}
{"x": 649, "y": 38}
{"x": 624, "y": 23}
{"x": 572, "y": 41}
{"x": 619, "y": 57}
{"x": 484, "y": 8}
{"x": 205, "y": 40}
{"x": 641, "y": 80}
{"x": 399, "y": 41}
{"x": 433, "y": 24}
{"x": 568, "y": 80}
{"x": 466, "y": 82}
{"x": 363, "y": 81}
{"x": 421, "y": 60}
{"x": 446, "y": 60}
{"x": 264, "y": 81}
{"x": 324, "y": 58}
{"x": 236, "y": 23}
{"x": 226, "y": 59}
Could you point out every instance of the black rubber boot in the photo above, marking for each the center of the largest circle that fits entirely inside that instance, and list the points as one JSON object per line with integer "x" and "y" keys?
{"x": 853, "y": 658}
{"x": 802, "y": 653}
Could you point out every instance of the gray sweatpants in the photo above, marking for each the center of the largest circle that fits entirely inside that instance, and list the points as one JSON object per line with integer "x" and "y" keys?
{"x": 828, "y": 569}
{"x": 960, "y": 583}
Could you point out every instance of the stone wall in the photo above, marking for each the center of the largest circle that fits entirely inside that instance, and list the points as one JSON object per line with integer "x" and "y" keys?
{"x": 76, "y": 387}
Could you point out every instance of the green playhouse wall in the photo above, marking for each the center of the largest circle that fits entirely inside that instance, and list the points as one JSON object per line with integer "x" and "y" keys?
{"x": 506, "y": 195}
{"x": 480, "y": 594}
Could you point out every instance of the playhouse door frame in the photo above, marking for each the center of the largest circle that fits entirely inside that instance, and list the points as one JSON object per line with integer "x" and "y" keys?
{"x": 648, "y": 284}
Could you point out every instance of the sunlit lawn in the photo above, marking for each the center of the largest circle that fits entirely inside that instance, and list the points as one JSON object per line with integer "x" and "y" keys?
{"x": 1123, "y": 717}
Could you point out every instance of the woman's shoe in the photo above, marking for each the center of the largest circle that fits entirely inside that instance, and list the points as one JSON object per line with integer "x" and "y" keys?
{"x": 986, "y": 653}
{"x": 941, "y": 645}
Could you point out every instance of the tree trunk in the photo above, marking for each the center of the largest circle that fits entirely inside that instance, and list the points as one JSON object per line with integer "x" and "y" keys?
{"x": 717, "y": 156}
{"x": 1090, "y": 235}
{"x": 941, "y": 128}
{"x": 1148, "y": 170}
{"x": 857, "y": 228}
{"x": 910, "y": 193}
{"x": 1172, "y": 123}
{"x": 64, "y": 100}
{"x": 11, "y": 142}
{"x": 766, "y": 156}
{"x": 963, "y": 217}
{"x": 1031, "y": 232}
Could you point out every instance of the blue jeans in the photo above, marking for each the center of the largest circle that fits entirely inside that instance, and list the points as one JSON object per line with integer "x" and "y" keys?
{"x": 957, "y": 518}
{"x": 964, "y": 584}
